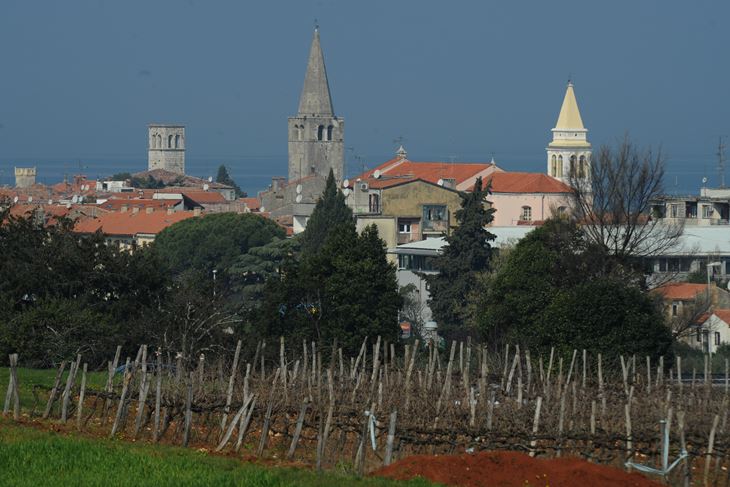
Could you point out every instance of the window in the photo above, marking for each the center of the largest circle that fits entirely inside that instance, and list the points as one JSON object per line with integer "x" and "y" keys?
{"x": 699, "y": 335}
{"x": 404, "y": 228}
{"x": 526, "y": 214}
{"x": 320, "y": 132}
{"x": 374, "y": 203}
{"x": 706, "y": 211}
{"x": 330, "y": 128}
{"x": 675, "y": 308}
{"x": 169, "y": 141}
{"x": 674, "y": 211}
{"x": 572, "y": 166}
{"x": 300, "y": 132}
{"x": 560, "y": 166}
{"x": 717, "y": 338}
{"x": 582, "y": 167}
{"x": 177, "y": 141}
{"x": 554, "y": 166}
{"x": 435, "y": 218}
{"x": 159, "y": 141}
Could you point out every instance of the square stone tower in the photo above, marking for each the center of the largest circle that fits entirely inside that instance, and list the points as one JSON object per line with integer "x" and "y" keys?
{"x": 24, "y": 177}
{"x": 316, "y": 135}
{"x": 166, "y": 148}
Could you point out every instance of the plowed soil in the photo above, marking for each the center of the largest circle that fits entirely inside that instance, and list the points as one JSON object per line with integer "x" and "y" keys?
{"x": 511, "y": 469}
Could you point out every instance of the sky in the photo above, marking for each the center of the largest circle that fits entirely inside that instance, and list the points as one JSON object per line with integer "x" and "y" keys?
{"x": 457, "y": 80}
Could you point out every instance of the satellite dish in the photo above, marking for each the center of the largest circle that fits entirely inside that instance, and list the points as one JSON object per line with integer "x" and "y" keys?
{"x": 299, "y": 188}
{"x": 704, "y": 180}
{"x": 376, "y": 174}
{"x": 15, "y": 200}
{"x": 50, "y": 202}
{"x": 262, "y": 209}
{"x": 74, "y": 199}
{"x": 210, "y": 179}
{"x": 205, "y": 187}
{"x": 298, "y": 199}
{"x": 346, "y": 183}
{"x": 68, "y": 205}
{"x": 440, "y": 182}
{"x": 346, "y": 191}
{"x": 30, "y": 199}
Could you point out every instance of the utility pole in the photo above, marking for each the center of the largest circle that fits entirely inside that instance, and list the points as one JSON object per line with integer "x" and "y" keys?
{"x": 721, "y": 161}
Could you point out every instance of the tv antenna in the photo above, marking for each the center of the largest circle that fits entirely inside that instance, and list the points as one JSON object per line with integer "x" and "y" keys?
{"x": 721, "y": 161}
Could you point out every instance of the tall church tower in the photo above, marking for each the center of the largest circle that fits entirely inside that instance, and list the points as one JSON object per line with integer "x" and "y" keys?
{"x": 569, "y": 152}
{"x": 316, "y": 135}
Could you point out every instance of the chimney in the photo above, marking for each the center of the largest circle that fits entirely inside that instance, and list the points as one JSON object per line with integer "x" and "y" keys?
{"x": 123, "y": 209}
{"x": 135, "y": 210}
{"x": 196, "y": 211}
{"x": 149, "y": 210}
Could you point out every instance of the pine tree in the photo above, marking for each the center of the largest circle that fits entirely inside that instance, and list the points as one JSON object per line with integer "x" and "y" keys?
{"x": 467, "y": 254}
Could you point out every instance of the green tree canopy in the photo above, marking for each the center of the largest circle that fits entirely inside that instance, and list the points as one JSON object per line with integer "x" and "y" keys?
{"x": 213, "y": 241}
{"x": 549, "y": 292}
{"x": 340, "y": 286}
{"x": 467, "y": 254}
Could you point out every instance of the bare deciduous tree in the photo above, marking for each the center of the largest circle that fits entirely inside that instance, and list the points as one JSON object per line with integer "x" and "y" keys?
{"x": 613, "y": 201}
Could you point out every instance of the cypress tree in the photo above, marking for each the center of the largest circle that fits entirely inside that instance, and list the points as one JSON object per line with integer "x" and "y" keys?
{"x": 467, "y": 254}
{"x": 329, "y": 212}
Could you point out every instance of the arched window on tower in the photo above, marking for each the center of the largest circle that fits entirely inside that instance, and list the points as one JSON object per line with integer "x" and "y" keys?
{"x": 560, "y": 166}
{"x": 177, "y": 141}
{"x": 153, "y": 141}
{"x": 582, "y": 167}
{"x": 329, "y": 132}
{"x": 572, "y": 166}
{"x": 300, "y": 132}
{"x": 554, "y": 166}
{"x": 320, "y": 132}
{"x": 169, "y": 141}
{"x": 159, "y": 141}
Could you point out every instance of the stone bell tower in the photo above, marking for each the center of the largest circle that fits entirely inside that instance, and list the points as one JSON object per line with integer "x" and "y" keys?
{"x": 316, "y": 135}
{"x": 166, "y": 148}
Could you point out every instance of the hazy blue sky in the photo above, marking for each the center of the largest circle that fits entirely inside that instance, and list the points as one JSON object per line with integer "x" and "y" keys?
{"x": 82, "y": 79}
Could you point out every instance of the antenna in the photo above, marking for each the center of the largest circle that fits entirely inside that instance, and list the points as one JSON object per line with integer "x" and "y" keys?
{"x": 721, "y": 161}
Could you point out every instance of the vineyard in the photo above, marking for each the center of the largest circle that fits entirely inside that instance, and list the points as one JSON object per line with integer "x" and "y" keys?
{"x": 316, "y": 406}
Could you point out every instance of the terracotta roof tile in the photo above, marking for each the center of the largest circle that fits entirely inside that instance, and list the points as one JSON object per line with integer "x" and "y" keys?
{"x": 682, "y": 291}
{"x": 723, "y": 314}
{"x": 397, "y": 171}
{"x": 129, "y": 223}
{"x": 526, "y": 182}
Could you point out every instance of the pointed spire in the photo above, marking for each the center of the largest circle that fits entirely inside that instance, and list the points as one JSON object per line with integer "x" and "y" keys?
{"x": 569, "y": 118}
{"x": 401, "y": 153}
{"x": 315, "y": 98}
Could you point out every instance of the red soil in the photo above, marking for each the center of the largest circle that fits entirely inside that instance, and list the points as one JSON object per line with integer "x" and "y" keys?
{"x": 510, "y": 469}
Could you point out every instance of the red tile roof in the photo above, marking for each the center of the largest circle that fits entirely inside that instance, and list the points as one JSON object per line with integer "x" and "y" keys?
{"x": 131, "y": 224}
{"x": 253, "y": 204}
{"x": 526, "y": 182}
{"x": 682, "y": 291}
{"x": 723, "y": 314}
{"x": 398, "y": 170}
